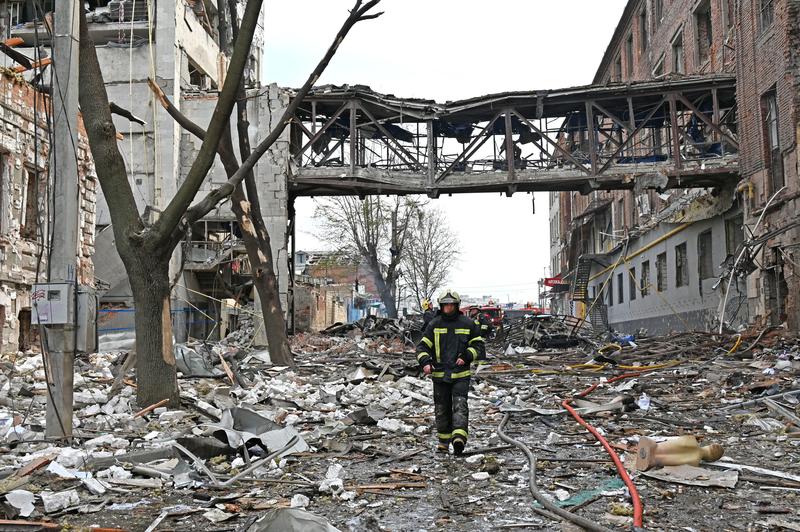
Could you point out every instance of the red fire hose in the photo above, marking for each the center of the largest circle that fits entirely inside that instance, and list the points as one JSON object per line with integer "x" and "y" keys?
{"x": 623, "y": 473}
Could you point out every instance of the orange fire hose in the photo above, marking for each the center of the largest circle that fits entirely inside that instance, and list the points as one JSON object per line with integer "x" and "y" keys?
{"x": 623, "y": 473}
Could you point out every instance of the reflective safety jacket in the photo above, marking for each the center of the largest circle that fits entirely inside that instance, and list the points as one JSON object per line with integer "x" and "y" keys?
{"x": 486, "y": 325}
{"x": 446, "y": 339}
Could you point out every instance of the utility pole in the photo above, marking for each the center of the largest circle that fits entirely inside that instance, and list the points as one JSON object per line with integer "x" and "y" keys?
{"x": 62, "y": 288}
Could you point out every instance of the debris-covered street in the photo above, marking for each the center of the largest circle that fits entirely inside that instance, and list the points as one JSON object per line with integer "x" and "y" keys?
{"x": 373, "y": 266}
{"x": 347, "y": 436}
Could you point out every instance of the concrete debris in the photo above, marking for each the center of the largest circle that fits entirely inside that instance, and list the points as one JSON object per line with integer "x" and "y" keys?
{"x": 292, "y": 520}
{"x": 55, "y": 501}
{"x": 22, "y": 500}
{"x": 348, "y": 431}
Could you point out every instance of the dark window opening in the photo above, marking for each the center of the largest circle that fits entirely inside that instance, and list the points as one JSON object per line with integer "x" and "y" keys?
{"x": 734, "y": 234}
{"x": 629, "y": 57}
{"x": 727, "y": 14}
{"x": 703, "y": 33}
{"x": 206, "y": 13}
{"x": 616, "y": 74}
{"x": 610, "y": 290}
{"x": 661, "y": 272}
{"x": 24, "y": 11}
{"x": 30, "y": 222}
{"x": 619, "y": 215}
{"x": 678, "y": 61}
{"x": 643, "y": 35}
{"x": 658, "y": 11}
{"x": 766, "y": 14}
{"x": 772, "y": 145}
{"x": 644, "y": 282}
{"x": 198, "y": 78}
{"x": 632, "y": 283}
{"x": 681, "y": 265}
{"x": 705, "y": 255}
{"x": 620, "y": 289}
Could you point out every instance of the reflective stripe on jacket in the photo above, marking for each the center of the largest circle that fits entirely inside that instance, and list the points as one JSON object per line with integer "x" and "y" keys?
{"x": 446, "y": 339}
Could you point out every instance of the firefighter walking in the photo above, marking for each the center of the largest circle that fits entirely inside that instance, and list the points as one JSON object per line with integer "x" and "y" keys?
{"x": 450, "y": 343}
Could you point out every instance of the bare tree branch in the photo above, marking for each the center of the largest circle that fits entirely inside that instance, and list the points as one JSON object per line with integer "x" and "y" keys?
{"x": 220, "y": 121}
{"x": 208, "y": 203}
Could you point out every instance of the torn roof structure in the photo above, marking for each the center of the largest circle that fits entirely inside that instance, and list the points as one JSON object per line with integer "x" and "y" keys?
{"x": 514, "y": 141}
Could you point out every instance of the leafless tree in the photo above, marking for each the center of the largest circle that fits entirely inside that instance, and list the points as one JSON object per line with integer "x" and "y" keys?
{"x": 146, "y": 248}
{"x": 376, "y": 231}
{"x": 431, "y": 253}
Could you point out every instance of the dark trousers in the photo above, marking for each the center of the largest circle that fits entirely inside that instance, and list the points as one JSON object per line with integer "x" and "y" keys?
{"x": 452, "y": 411}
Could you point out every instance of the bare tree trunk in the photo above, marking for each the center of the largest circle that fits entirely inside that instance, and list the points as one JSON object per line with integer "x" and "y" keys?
{"x": 256, "y": 237}
{"x": 259, "y": 251}
{"x": 385, "y": 286}
{"x": 155, "y": 375}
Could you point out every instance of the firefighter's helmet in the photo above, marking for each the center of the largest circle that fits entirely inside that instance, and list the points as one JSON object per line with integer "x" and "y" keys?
{"x": 448, "y": 295}
{"x": 426, "y": 304}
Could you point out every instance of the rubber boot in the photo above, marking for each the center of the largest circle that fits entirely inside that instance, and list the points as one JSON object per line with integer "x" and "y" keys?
{"x": 458, "y": 446}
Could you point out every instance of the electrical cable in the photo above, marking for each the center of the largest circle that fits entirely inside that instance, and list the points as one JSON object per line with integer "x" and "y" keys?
{"x": 541, "y": 499}
{"x": 623, "y": 473}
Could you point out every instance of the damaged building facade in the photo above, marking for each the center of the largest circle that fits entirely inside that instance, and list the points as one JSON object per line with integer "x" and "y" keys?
{"x": 659, "y": 258}
{"x": 26, "y": 206}
{"x": 181, "y": 45}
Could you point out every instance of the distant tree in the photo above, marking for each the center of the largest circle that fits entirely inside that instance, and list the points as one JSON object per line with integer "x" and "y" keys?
{"x": 376, "y": 230}
{"x": 431, "y": 253}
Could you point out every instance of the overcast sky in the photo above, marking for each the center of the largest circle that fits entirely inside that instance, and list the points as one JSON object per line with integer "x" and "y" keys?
{"x": 447, "y": 50}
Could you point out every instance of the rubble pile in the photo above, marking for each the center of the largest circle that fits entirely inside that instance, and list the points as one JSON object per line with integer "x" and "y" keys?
{"x": 246, "y": 330}
{"x": 373, "y": 326}
{"x": 344, "y": 440}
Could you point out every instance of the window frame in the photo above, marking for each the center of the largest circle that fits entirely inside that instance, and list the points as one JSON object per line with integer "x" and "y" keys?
{"x": 662, "y": 272}
{"x": 705, "y": 261}
{"x": 681, "y": 265}
{"x": 677, "y": 44}
{"x": 644, "y": 279}
{"x": 771, "y": 131}
{"x": 766, "y": 10}
{"x": 629, "y": 56}
{"x": 644, "y": 35}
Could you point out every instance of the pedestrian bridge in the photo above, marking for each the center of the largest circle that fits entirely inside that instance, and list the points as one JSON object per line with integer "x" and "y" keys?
{"x": 675, "y": 132}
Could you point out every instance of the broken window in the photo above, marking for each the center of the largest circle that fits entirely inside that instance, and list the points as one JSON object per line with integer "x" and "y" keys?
{"x": 20, "y": 12}
{"x": 705, "y": 255}
{"x": 774, "y": 161}
{"x": 661, "y": 272}
{"x": 619, "y": 215}
{"x": 620, "y": 290}
{"x": 30, "y": 222}
{"x": 206, "y": 13}
{"x": 616, "y": 74}
{"x": 678, "y": 61}
{"x": 702, "y": 32}
{"x": 644, "y": 282}
{"x": 658, "y": 71}
{"x": 766, "y": 14}
{"x": 734, "y": 233}
{"x": 658, "y": 11}
{"x": 197, "y": 78}
{"x": 681, "y": 265}
{"x": 632, "y": 282}
{"x": 727, "y": 14}
{"x": 629, "y": 57}
{"x": 643, "y": 36}
{"x": 610, "y": 290}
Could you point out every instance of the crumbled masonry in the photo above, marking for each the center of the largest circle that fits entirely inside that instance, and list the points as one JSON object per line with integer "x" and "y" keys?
{"x": 345, "y": 441}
